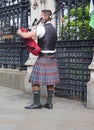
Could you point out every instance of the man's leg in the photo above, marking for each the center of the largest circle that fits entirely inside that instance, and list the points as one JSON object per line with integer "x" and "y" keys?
{"x": 50, "y": 91}
{"x": 36, "y": 98}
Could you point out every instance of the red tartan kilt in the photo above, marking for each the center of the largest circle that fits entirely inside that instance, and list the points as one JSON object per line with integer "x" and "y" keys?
{"x": 45, "y": 71}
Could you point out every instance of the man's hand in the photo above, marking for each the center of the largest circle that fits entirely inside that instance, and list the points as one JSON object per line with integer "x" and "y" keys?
{"x": 26, "y": 34}
{"x": 19, "y": 31}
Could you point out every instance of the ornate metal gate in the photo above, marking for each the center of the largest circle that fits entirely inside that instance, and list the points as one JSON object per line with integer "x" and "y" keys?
{"x": 74, "y": 48}
{"x": 13, "y": 14}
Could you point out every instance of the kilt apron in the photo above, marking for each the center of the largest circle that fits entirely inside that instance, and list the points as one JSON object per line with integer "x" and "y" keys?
{"x": 45, "y": 71}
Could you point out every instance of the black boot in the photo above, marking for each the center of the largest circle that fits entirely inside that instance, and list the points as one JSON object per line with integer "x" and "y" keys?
{"x": 49, "y": 104}
{"x": 36, "y": 104}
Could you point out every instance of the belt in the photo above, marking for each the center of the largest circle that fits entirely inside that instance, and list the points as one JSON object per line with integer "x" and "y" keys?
{"x": 46, "y": 54}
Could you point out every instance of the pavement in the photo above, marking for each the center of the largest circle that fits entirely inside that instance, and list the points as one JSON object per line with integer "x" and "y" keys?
{"x": 66, "y": 114}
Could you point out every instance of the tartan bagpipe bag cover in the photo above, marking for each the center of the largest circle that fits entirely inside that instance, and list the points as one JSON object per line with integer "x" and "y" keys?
{"x": 31, "y": 45}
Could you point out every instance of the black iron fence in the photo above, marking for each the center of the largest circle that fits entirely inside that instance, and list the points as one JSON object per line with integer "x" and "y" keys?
{"x": 13, "y": 55}
{"x": 13, "y": 15}
{"x": 74, "y": 48}
{"x": 74, "y": 57}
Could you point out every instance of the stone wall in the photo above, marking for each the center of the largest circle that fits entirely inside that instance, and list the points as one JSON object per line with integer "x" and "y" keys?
{"x": 12, "y": 78}
{"x": 90, "y": 87}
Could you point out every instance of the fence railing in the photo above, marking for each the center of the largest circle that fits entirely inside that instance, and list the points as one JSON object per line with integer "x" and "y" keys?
{"x": 13, "y": 55}
{"x": 74, "y": 57}
{"x": 13, "y": 15}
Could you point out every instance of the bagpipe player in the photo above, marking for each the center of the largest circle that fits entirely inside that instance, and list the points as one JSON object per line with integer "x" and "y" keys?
{"x": 45, "y": 70}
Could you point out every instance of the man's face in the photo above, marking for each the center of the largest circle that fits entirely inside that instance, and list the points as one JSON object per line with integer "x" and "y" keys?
{"x": 44, "y": 17}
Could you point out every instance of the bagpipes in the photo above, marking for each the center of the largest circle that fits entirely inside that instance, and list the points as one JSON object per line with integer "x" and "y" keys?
{"x": 31, "y": 44}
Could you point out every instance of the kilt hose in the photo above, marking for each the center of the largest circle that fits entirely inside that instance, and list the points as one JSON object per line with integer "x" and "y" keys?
{"x": 45, "y": 71}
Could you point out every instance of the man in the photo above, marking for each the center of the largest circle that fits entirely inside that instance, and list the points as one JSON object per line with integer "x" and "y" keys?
{"x": 45, "y": 71}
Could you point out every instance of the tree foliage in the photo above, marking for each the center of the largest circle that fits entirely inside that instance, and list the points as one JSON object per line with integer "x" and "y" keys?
{"x": 76, "y": 23}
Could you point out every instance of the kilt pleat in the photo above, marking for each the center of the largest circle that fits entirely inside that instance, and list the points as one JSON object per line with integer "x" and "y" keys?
{"x": 45, "y": 71}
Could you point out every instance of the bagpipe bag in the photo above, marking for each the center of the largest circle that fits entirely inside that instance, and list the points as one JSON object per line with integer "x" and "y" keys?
{"x": 31, "y": 45}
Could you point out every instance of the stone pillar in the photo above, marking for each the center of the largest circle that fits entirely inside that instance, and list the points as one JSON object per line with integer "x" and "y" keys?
{"x": 38, "y": 5}
{"x": 28, "y": 89}
{"x": 90, "y": 87}
{"x": 29, "y": 63}
{"x": 35, "y": 10}
{"x": 50, "y": 4}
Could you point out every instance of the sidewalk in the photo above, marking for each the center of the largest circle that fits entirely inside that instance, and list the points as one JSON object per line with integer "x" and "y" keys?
{"x": 66, "y": 114}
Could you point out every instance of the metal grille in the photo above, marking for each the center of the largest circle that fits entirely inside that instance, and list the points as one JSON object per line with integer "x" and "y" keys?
{"x": 13, "y": 15}
{"x": 74, "y": 57}
{"x": 74, "y": 48}
{"x": 13, "y": 56}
